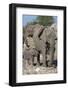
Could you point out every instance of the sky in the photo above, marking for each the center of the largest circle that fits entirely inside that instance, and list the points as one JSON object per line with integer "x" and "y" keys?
{"x": 31, "y": 18}
{"x": 28, "y": 18}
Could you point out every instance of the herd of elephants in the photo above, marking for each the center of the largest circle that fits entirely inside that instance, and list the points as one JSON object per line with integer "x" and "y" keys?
{"x": 40, "y": 41}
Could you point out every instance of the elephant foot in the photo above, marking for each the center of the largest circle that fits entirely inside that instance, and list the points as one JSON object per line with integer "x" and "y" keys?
{"x": 41, "y": 64}
{"x": 54, "y": 63}
{"x": 44, "y": 65}
{"x": 49, "y": 64}
{"x": 34, "y": 64}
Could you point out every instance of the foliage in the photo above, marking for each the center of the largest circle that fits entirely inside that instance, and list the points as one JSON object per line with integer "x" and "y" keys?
{"x": 45, "y": 20}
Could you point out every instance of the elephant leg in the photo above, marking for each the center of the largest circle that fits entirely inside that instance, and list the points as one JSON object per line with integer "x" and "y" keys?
{"x": 44, "y": 57}
{"x": 51, "y": 55}
{"x": 29, "y": 61}
{"x": 41, "y": 59}
{"x": 34, "y": 60}
{"x": 38, "y": 58}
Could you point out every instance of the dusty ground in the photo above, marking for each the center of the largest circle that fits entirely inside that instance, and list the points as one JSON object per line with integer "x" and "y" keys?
{"x": 39, "y": 70}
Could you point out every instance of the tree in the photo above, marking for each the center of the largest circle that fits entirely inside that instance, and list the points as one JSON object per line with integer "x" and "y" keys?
{"x": 32, "y": 23}
{"x": 45, "y": 20}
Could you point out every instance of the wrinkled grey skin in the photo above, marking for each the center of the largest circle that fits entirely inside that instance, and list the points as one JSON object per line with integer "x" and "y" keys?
{"x": 39, "y": 42}
{"x": 47, "y": 35}
{"x": 41, "y": 35}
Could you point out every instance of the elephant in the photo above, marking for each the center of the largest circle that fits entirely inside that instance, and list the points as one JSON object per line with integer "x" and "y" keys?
{"x": 30, "y": 53}
{"x": 43, "y": 36}
{"x": 39, "y": 44}
{"x": 43, "y": 39}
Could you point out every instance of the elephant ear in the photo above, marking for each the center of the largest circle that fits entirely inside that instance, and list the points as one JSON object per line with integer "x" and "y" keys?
{"x": 54, "y": 28}
{"x": 52, "y": 35}
{"x": 52, "y": 31}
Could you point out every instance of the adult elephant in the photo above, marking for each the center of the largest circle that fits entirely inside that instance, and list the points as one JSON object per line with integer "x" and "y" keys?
{"x": 41, "y": 37}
